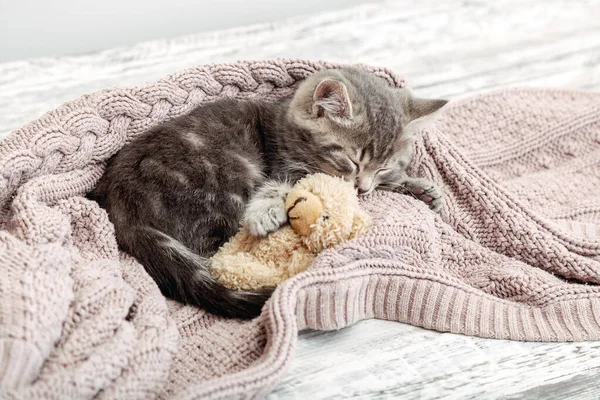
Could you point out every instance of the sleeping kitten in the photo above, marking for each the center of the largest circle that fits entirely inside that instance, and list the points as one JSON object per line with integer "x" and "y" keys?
{"x": 178, "y": 192}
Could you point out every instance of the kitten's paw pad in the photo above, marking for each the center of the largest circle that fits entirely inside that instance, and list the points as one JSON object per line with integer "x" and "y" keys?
{"x": 427, "y": 192}
{"x": 265, "y": 216}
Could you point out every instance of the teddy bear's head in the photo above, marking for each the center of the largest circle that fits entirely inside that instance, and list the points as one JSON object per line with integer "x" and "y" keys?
{"x": 324, "y": 211}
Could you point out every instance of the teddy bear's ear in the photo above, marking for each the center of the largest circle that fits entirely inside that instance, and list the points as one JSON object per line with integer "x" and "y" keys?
{"x": 360, "y": 224}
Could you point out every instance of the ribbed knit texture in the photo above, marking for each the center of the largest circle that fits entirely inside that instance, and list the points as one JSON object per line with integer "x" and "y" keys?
{"x": 79, "y": 319}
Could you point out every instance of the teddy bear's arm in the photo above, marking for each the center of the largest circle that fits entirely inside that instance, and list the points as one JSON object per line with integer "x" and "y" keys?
{"x": 243, "y": 271}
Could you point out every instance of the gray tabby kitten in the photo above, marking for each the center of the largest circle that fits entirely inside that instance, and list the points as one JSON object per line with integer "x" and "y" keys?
{"x": 178, "y": 192}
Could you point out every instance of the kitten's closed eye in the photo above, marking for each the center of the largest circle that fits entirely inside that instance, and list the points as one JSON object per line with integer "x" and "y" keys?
{"x": 346, "y": 168}
{"x": 338, "y": 164}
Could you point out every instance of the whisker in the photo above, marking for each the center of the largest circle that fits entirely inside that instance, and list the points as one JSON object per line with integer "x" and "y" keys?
{"x": 398, "y": 187}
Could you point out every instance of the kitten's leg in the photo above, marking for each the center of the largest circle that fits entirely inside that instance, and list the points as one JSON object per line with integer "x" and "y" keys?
{"x": 423, "y": 190}
{"x": 265, "y": 212}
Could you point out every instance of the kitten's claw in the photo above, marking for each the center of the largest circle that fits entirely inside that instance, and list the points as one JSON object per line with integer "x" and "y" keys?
{"x": 425, "y": 191}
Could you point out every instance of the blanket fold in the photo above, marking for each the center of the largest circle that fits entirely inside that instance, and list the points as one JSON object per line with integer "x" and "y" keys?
{"x": 514, "y": 254}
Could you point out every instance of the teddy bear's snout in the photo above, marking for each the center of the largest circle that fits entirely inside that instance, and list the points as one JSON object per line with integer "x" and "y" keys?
{"x": 304, "y": 211}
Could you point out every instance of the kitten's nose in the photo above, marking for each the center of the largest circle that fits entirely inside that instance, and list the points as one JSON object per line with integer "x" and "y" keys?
{"x": 363, "y": 185}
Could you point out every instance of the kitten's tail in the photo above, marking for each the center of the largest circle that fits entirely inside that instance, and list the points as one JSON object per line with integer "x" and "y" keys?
{"x": 184, "y": 276}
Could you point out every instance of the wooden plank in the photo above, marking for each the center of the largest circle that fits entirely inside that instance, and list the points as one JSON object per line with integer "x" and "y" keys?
{"x": 383, "y": 359}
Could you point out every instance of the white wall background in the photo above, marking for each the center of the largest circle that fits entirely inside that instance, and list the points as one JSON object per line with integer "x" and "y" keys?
{"x": 37, "y": 28}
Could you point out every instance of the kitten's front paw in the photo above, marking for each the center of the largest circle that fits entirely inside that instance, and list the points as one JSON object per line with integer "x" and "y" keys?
{"x": 265, "y": 212}
{"x": 263, "y": 216}
{"x": 425, "y": 191}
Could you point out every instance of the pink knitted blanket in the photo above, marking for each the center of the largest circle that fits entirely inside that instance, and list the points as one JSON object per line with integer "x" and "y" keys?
{"x": 515, "y": 253}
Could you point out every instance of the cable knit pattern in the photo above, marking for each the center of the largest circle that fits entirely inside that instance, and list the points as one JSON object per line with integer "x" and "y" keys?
{"x": 515, "y": 253}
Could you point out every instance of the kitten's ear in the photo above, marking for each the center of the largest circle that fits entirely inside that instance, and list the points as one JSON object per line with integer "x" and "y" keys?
{"x": 331, "y": 98}
{"x": 416, "y": 107}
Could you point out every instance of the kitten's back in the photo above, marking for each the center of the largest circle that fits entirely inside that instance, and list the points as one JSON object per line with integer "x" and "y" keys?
{"x": 177, "y": 192}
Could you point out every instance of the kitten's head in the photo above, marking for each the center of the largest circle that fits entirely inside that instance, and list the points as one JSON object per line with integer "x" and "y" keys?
{"x": 352, "y": 124}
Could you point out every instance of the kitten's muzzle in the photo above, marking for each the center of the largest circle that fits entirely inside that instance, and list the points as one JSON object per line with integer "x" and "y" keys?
{"x": 362, "y": 191}
{"x": 364, "y": 185}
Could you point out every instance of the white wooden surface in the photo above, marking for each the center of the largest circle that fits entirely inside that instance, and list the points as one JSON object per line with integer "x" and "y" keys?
{"x": 447, "y": 48}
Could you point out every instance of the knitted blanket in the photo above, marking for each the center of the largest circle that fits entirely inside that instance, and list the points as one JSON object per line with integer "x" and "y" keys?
{"x": 514, "y": 254}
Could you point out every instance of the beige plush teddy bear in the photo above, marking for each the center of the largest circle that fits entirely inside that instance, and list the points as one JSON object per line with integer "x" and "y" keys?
{"x": 323, "y": 211}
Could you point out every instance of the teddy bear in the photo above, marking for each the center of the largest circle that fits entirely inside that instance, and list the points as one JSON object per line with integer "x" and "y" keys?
{"x": 322, "y": 210}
